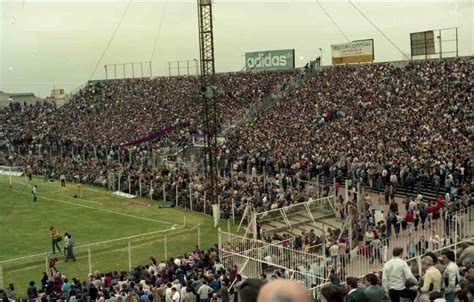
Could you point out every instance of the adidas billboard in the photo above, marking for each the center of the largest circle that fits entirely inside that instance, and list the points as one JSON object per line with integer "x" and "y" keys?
{"x": 270, "y": 60}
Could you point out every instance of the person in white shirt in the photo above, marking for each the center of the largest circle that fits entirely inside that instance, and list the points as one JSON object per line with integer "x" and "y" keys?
{"x": 435, "y": 240}
{"x": 204, "y": 292}
{"x": 66, "y": 239}
{"x": 174, "y": 295}
{"x": 34, "y": 192}
{"x": 268, "y": 259}
{"x": 218, "y": 266}
{"x": 168, "y": 293}
{"x": 396, "y": 273}
{"x": 183, "y": 290}
{"x": 369, "y": 236}
{"x": 333, "y": 252}
{"x": 176, "y": 285}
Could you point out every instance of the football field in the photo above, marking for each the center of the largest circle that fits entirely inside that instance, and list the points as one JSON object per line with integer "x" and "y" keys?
{"x": 110, "y": 233}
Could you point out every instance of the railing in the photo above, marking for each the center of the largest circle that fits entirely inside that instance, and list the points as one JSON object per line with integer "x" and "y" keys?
{"x": 116, "y": 254}
{"x": 447, "y": 232}
{"x": 414, "y": 262}
{"x": 300, "y": 213}
{"x": 441, "y": 232}
{"x": 255, "y": 257}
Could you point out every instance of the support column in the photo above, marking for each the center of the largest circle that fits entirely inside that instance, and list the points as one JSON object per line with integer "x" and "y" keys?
{"x": 164, "y": 192}
{"x": 177, "y": 196}
{"x": 129, "y": 255}
{"x": 166, "y": 247}
{"x": 89, "y": 258}
{"x": 199, "y": 236}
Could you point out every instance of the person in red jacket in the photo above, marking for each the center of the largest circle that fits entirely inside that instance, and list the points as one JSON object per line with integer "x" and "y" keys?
{"x": 440, "y": 202}
{"x": 436, "y": 212}
{"x": 410, "y": 219}
{"x": 429, "y": 216}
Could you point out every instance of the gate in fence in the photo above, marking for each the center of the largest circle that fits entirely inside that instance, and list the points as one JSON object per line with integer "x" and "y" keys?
{"x": 254, "y": 257}
{"x": 298, "y": 216}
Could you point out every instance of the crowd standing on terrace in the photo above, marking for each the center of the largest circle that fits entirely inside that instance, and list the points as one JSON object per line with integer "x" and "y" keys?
{"x": 109, "y": 113}
{"x": 390, "y": 128}
{"x": 370, "y": 121}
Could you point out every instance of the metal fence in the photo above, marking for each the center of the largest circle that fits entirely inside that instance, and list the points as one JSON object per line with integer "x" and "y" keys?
{"x": 255, "y": 257}
{"x": 414, "y": 263}
{"x": 435, "y": 234}
{"x": 116, "y": 254}
{"x": 306, "y": 213}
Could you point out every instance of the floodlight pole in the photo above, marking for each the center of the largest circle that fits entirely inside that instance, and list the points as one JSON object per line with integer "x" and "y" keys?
{"x": 320, "y": 57}
{"x": 457, "y": 50}
{"x": 440, "y": 45}
{"x": 208, "y": 92}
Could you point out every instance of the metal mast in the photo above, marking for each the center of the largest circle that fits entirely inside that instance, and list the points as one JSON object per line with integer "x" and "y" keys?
{"x": 208, "y": 93}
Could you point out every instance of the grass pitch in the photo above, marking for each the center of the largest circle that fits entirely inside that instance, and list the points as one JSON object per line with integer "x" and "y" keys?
{"x": 96, "y": 217}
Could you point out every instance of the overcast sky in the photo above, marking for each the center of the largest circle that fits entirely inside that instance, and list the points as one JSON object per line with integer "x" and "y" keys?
{"x": 58, "y": 43}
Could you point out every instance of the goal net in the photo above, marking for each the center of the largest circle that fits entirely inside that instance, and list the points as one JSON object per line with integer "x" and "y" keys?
{"x": 11, "y": 172}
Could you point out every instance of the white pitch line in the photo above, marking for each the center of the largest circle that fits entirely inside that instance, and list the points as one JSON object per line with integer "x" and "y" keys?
{"x": 101, "y": 210}
{"x": 62, "y": 196}
{"x": 55, "y": 187}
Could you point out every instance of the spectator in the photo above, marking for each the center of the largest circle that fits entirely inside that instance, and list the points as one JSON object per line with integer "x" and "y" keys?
{"x": 422, "y": 246}
{"x": 11, "y": 293}
{"x": 354, "y": 293}
{"x": 55, "y": 238}
{"x": 451, "y": 276}
{"x": 436, "y": 297}
{"x": 175, "y": 295}
{"x": 331, "y": 293}
{"x": 32, "y": 292}
{"x": 435, "y": 241}
{"x": 396, "y": 274}
{"x": 462, "y": 296}
{"x": 283, "y": 290}
{"x": 69, "y": 248}
{"x": 411, "y": 248}
{"x": 204, "y": 291}
{"x": 431, "y": 280}
{"x": 249, "y": 290}
{"x": 373, "y": 291}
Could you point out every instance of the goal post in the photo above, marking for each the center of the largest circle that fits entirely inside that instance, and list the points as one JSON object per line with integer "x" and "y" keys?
{"x": 10, "y": 172}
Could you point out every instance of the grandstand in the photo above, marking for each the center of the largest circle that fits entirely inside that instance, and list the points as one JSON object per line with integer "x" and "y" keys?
{"x": 310, "y": 174}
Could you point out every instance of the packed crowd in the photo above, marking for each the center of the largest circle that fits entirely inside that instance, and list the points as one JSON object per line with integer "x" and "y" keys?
{"x": 196, "y": 276}
{"x": 389, "y": 127}
{"x": 109, "y": 113}
{"x": 370, "y": 121}
{"x": 199, "y": 276}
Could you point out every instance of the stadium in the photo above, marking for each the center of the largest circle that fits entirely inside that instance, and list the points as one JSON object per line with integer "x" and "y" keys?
{"x": 253, "y": 151}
